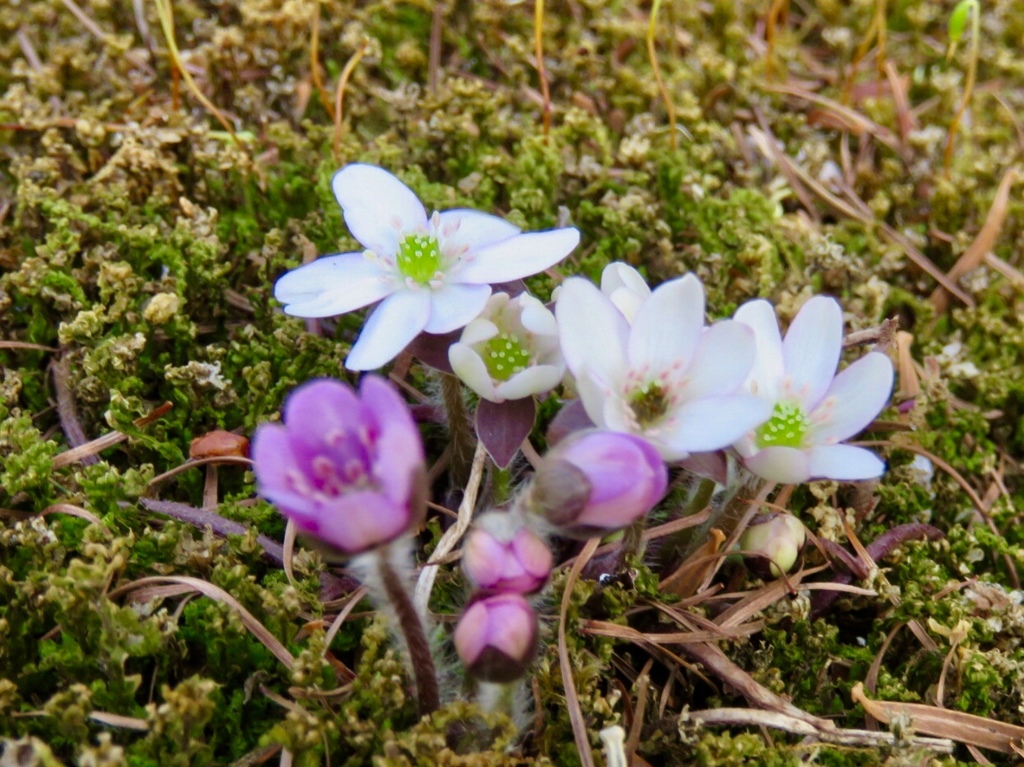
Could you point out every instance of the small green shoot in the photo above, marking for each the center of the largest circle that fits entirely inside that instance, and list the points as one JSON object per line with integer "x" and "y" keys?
{"x": 957, "y": 24}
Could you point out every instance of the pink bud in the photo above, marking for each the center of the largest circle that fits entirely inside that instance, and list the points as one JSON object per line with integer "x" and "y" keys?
{"x": 597, "y": 481}
{"x": 500, "y": 554}
{"x": 777, "y": 537}
{"x": 497, "y": 637}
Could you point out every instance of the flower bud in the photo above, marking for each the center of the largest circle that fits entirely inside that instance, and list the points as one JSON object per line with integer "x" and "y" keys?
{"x": 500, "y": 554}
{"x": 777, "y": 537}
{"x": 595, "y": 482}
{"x": 497, "y": 637}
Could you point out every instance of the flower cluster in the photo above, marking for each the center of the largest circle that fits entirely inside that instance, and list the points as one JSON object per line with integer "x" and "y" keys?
{"x": 657, "y": 384}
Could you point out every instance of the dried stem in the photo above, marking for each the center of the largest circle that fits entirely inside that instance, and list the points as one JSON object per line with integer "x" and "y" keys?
{"x": 652, "y": 54}
{"x": 339, "y": 94}
{"x": 538, "y": 50}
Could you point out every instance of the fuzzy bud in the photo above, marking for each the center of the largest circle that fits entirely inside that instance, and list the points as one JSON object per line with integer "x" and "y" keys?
{"x": 497, "y": 637}
{"x": 500, "y": 554}
{"x": 596, "y": 482}
{"x": 778, "y": 538}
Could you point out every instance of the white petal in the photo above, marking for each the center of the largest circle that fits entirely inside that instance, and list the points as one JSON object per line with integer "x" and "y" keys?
{"x": 723, "y": 358}
{"x": 855, "y": 397}
{"x": 516, "y": 257}
{"x": 344, "y": 282}
{"x": 327, "y": 272}
{"x": 453, "y": 306}
{"x": 469, "y": 228}
{"x": 536, "y": 317}
{"x": 712, "y": 423}
{"x": 478, "y": 331}
{"x": 534, "y": 380}
{"x": 591, "y": 331}
{"x": 765, "y": 377}
{"x": 619, "y": 275}
{"x": 377, "y": 206}
{"x": 595, "y": 394}
{"x": 668, "y": 327}
{"x": 780, "y": 464}
{"x": 812, "y": 347}
{"x": 470, "y": 368}
{"x": 845, "y": 462}
{"x": 393, "y": 324}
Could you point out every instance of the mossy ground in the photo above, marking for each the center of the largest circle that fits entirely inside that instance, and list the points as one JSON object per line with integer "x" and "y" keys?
{"x": 139, "y": 242}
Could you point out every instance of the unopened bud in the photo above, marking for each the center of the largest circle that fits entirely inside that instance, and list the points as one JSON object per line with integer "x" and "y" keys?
{"x": 500, "y": 554}
{"x": 497, "y": 637}
{"x": 777, "y": 537}
{"x": 595, "y": 482}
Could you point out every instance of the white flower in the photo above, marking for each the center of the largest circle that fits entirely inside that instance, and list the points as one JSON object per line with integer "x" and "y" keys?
{"x": 430, "y": 274}
{"x": 510, "y": 351}
{"x": 814, "y": 409}
{"x": 625, "y": 287}
{"x": 665, "y": 377}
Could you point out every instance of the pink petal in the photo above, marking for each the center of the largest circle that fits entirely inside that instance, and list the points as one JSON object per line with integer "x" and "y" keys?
{"x": 398, "y": 447}
{"x": 361, "y": 520}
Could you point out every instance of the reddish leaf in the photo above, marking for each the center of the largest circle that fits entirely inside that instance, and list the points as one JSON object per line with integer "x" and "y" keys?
{"x": 571, "y": 418}
{"x": 710, "y": 465}
{"x": 502, "y": 427}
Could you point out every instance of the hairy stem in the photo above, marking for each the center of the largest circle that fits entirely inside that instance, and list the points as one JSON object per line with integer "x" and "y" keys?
{"x": 411, "y": 625}
{"x": 460, "y": 430}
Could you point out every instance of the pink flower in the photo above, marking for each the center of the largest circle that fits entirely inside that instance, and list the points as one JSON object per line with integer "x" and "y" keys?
{"x": 814, "y": 410}
{"x": 347, "y": 468}
{"x": 597, "y": 481}
{"x": 497, "y": 637}
{"x": 502, "y": 555}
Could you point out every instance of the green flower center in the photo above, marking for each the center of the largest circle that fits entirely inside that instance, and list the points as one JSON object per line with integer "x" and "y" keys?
{"x": 504, "y": 356}
{"x": 649, "y": 403}
{"x": 786, "y": 428}
{"x": 419, "y": 257}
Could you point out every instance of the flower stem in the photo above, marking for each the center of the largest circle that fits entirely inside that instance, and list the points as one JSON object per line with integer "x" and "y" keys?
{"x": 411, "y": 625}
{"x": 460, "y": 430}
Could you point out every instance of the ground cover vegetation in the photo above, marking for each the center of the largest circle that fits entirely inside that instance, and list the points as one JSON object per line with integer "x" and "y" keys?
{"x": 163, "y": 164}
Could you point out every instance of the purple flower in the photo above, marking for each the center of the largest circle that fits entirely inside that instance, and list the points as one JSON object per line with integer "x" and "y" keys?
{"x": 597, "y": 481}
{"x": 497, "y": 637}
{"x": 502, "y": 555}
{"x": 347, "y": 468}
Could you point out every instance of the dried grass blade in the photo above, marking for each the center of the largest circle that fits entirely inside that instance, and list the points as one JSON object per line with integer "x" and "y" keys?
{"x": 572, "y": 700}
{"x": 257, "y": 629}
{"x": 117, "y": 720}
{"x": 618, "y": 631}
{"x": 964, "y": 728}
{"x": 983, "y": 243}
{"x": 753, "y": 717}
{"x": 425, "y": 583}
